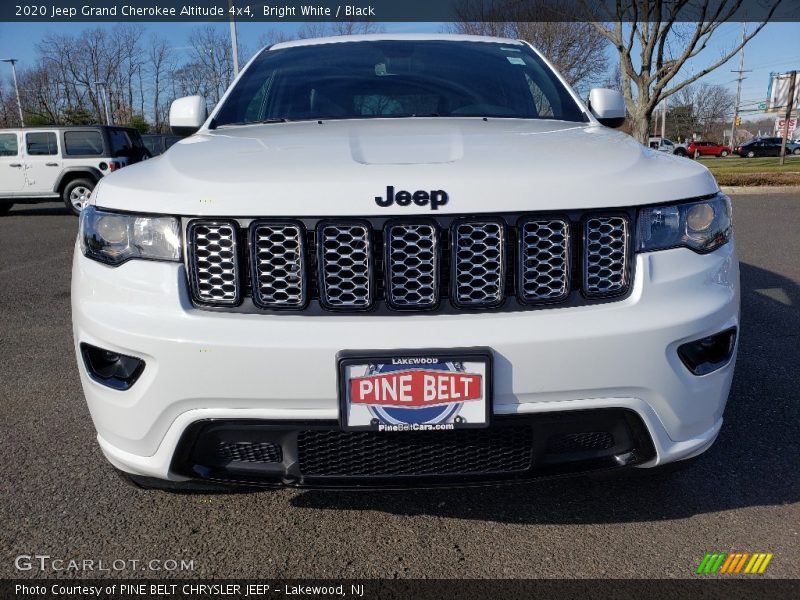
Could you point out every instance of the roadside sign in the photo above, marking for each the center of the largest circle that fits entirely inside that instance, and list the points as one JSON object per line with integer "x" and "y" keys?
{"x": 762, "y": 106}
{"x": 780, "y": 122}
{"x": 778, "y": 91}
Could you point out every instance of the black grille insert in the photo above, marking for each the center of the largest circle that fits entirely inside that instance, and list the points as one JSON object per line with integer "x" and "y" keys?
{"x": 462, "y": 452}
{"x": 252, "y": 452}
{"x": 579, "y": 442}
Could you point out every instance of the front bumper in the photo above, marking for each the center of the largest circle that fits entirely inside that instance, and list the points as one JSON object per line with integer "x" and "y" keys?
{"x": 277, "y": 368}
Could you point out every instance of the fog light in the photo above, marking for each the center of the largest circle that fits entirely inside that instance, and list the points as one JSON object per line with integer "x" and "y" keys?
{"x": 710, "y": 353}
{"x": 117, "y": 371}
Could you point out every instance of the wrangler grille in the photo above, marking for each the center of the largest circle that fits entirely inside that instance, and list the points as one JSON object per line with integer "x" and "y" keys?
{"x": 507, "y": 262}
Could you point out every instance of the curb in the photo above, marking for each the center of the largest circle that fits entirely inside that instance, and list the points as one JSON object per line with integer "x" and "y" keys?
{"x": 739, "y": 190}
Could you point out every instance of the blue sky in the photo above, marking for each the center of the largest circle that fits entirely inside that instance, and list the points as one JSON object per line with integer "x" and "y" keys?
{"x": 774, "y": 49}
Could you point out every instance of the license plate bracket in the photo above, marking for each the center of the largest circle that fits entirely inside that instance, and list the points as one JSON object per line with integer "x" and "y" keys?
{"x": 415, "y": 390}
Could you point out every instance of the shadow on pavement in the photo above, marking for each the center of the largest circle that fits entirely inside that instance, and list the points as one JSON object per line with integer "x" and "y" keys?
{"x": 755, "y": 461}
{"x": 48, "y": 209}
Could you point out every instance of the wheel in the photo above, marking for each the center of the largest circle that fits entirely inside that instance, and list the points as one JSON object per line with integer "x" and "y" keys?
{"x": 751, "y": 154}
{"x": 796, "y": 151}
{"x": 680, "y": 152}
{"x": 723, "y": 154}
{"x": 4, "y": 208}
{"x": 76, "y": 194}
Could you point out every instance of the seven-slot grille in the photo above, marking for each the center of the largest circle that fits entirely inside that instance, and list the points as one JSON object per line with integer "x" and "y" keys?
{"x": 409, "y": 265}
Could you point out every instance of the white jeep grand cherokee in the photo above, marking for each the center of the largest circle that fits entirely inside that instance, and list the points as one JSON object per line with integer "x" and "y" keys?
{"x": 404, "y": 259}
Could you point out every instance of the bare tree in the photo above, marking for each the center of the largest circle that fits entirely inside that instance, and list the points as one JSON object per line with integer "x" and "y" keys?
{"x": 131, "y": 58}
{"x": 576, "y": 48}
{"x": 653, "y": 44}
{"x": 704, "y": 110}
{"x": 159, "y": 55}
{"x": 316, "y": 30}
{"x": 213, "y": 59}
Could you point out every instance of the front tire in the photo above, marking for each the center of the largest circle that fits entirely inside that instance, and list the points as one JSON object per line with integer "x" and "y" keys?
{"x": 76, "y": 194}
{"x": 796, "y": 151}
{"x": 680, "y": 152}
{"x": 723, "y": 154}
{"x": 751, "y": 154}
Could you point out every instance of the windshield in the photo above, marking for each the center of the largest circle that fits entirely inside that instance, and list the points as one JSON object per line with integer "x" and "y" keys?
{"x": 382, "y": 79}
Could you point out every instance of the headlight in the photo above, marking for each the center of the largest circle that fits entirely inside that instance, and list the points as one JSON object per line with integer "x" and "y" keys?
{"x": 702, "y": 226}
{"x": 113, "y": 238}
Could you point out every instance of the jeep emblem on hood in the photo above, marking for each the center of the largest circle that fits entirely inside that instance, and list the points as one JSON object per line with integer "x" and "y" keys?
{"x": 435, "y": 198}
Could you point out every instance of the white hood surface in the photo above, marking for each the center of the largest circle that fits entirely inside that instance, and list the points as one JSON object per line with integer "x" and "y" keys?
{"x": 337, "y": 168}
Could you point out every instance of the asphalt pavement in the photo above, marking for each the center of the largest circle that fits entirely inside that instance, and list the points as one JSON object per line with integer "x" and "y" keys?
{"x": 60, "y": 498}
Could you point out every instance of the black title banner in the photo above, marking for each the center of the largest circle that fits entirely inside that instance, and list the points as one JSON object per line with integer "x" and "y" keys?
{"x": 371, "y": 589}
{"x": 400, "y": 10}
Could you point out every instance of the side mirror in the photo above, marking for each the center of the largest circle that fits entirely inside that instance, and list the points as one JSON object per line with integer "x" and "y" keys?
{"x": 608, "y": 106}
{"x": 187, "y": 114}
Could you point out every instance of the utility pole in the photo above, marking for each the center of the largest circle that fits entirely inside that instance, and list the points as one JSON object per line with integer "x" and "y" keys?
{"x": 102, "y": 86}
{"x": 789, "y": 107}
{"x": 664, "y": 119}
{"x": 234, "y": 39}
{"x": 741, "y": 77}
{"x": 13, "y": 62}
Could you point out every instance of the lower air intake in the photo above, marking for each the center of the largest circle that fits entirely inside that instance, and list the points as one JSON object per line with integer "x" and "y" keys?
{"x": 458, "y": 452}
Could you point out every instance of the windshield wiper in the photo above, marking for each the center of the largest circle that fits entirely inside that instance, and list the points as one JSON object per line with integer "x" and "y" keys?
{"x": 260, "y": 122}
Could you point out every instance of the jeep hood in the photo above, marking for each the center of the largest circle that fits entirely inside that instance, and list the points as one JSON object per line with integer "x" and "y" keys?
{"x": 337, "y": 168}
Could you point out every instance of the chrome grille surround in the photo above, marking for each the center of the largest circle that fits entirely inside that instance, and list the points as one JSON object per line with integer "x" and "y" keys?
{"x": 606, "y": 251}
{"x": 278, "y": 263}
{"x": 214, "y": 267}
{"x": 478, "y": 263}
{"x": 544, "y": 260}
{"x": 344, "y": 251}
{"x": 412, "y": 265}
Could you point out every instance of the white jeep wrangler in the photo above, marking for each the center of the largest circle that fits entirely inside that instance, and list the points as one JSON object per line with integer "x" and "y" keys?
{"x": 401, "y": 260}
{"x": 44, "y": 163}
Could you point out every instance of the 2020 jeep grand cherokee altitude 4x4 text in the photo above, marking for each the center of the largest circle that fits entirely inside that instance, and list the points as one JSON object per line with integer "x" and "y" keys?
{"x": 399, "y": 260}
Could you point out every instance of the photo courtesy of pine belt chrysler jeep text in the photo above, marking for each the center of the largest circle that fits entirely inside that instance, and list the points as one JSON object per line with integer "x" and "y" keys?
{"x": 403, "y": 260}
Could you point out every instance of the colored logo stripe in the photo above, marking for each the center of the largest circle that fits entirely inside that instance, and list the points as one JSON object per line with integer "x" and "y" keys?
{"x": 735, "y": 562}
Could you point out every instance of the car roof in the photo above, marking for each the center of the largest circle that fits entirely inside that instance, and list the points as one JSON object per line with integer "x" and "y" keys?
{"x": 67, "y": 127}
{"x": 380, "y": 37}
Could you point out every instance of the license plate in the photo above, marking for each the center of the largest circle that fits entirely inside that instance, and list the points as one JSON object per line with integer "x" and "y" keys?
{"x": 419, "y": 390}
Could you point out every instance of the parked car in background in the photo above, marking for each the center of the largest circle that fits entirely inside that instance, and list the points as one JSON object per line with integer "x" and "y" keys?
{"x": 45, "y": 163}
{"x": 708, "y": 149}
{"x": 158, "y": 144}
{"x": 668, "y": 146}
{"x": 767, "y": 146}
